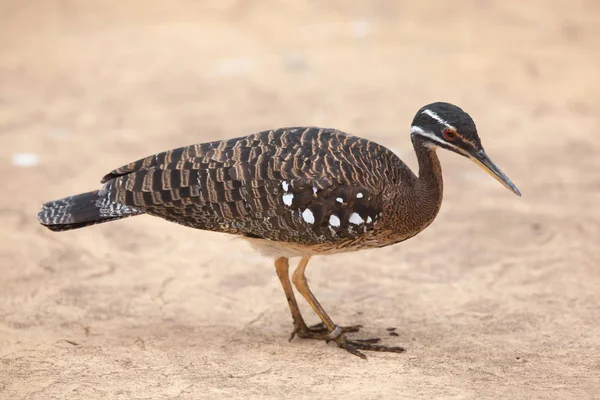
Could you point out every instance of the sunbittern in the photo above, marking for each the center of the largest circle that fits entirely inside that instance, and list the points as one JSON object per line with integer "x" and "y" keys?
{"x": 299, "y": 191}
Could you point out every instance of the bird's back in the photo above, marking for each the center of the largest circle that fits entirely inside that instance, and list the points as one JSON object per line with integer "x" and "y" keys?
{"x": 302, "y": 186}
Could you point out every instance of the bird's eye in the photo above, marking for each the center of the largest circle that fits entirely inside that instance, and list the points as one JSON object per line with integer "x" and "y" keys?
{"x": 449, "y": 134}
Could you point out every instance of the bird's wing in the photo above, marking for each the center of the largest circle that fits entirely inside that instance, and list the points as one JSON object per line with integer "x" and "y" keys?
{"x": 297, "y": 184}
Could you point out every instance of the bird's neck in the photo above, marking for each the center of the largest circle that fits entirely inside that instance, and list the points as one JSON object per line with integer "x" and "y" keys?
{"x": 428, "y": 190}
{"x": 413, "y": 202}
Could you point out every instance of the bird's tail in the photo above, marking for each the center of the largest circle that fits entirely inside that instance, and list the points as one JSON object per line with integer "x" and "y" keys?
{"x": 82, "y": 210}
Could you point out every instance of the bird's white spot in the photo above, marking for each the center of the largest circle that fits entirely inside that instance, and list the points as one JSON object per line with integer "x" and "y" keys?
{"x": 439, "y": 119}
{"x": 339, "y": 200}
{"x": 334, "y": 220}
{"x": 359, "y": 195}
{"x": 315, "y": 189}
{"x": 288, "y": 198}
{"x": 356, "y": 219}
{"x": 25, "y": 160}
{"x": 369, "y": 220}
{"x": 308, "y": 216}
{"x": 285, "y": 185}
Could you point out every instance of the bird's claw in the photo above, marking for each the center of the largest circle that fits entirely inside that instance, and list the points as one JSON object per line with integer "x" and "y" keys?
{"x": 354, "y": 346}
{"x": 320, "y": 331}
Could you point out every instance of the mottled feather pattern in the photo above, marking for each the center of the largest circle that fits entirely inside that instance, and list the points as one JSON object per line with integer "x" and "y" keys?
{"x": 262, "y": 185}
{"x": 309, "y": 189}
{"x": 82, "y": 210}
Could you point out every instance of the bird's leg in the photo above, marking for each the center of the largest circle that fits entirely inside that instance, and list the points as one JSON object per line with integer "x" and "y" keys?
{"x": 318, "y": 331}
{"x": 282, "y": 267}
{"x": 335, "y": 332}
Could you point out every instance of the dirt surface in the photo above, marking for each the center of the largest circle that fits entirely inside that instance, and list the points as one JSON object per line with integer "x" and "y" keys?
{"x": 499, "y": 298}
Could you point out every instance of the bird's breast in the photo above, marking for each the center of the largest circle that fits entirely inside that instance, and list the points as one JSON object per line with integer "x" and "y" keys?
{"x": 408, "y": 211}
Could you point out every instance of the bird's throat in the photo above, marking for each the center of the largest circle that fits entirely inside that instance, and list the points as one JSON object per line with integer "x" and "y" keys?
{"x": 429, "y": 188}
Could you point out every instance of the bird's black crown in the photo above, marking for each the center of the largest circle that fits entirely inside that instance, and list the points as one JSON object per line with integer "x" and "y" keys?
{"x": 447, "y": 125}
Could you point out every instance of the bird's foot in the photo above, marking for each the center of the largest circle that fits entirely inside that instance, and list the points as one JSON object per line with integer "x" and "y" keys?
{"x": 320, "y": 331}
{"x": 354, "y": 346}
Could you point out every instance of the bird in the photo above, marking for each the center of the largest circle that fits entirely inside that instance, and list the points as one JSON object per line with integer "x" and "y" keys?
{"x": 291, "y": 192}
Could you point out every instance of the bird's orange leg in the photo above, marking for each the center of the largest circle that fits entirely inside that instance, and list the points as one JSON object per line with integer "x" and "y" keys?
{"x": 319, "y": 331}
{"x": 282, "y": 267}
{"x": 335, "y": 332}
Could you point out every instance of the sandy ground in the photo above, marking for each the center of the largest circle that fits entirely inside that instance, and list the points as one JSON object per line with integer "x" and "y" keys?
{"x": 499, "y": 298}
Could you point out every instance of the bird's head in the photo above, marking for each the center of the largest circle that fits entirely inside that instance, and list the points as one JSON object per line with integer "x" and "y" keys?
{"x": 449, "y": 127}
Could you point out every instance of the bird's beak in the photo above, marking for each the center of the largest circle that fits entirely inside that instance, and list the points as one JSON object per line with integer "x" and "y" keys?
{"x": 482, "y": 159}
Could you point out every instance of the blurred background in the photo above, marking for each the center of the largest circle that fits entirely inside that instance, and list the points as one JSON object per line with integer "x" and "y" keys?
{"x": 498, "y": 298}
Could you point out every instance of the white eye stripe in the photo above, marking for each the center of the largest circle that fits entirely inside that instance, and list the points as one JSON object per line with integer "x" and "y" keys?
{"x": 416, "y": 129}
{"x": 420, "y": 131}
{"x": 437, "y": 118}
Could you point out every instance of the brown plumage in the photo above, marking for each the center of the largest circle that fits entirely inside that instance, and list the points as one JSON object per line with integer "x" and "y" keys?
{"x": 293, "y": 192}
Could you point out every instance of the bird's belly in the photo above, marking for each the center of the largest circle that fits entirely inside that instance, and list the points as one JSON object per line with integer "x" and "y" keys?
{"x": 370, "y": 240}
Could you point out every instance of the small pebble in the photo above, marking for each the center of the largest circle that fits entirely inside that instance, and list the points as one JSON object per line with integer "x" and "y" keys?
{"x": 391, "y": 329}
{"x": 394, "y": 334}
